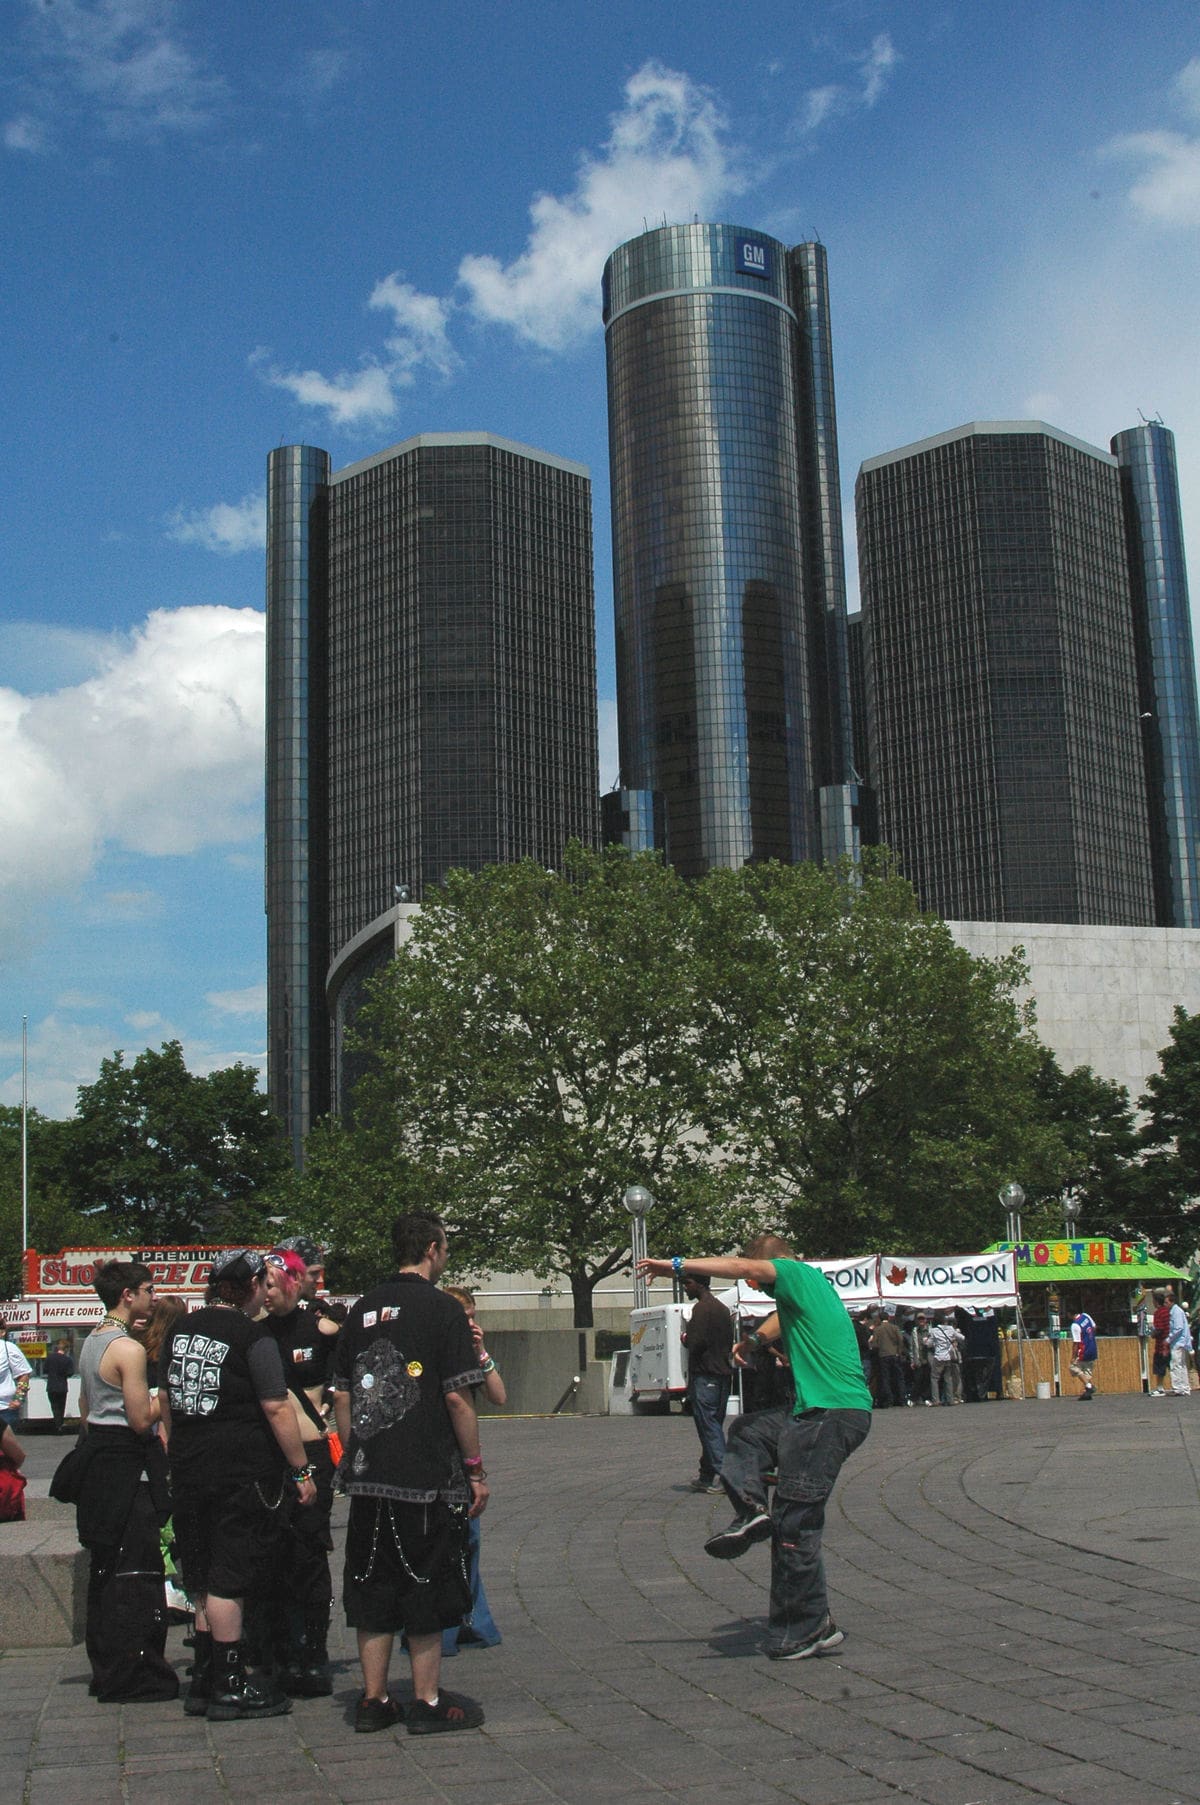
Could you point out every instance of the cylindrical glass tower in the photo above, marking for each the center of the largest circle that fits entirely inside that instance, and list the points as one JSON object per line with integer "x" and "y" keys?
{"x": 297, "y": 1034}
{"x": 1170, "y": 720}
{"x": 723, "y": 644}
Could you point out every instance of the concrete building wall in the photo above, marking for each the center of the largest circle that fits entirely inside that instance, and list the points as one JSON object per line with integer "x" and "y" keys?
{"x": 1105, "y": 996}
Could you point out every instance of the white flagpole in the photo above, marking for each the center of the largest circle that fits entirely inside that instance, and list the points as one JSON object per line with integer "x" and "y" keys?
{"x": 24, "y": 1133}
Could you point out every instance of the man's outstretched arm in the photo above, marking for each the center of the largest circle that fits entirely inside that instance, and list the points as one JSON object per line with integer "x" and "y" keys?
{"x": 729, "y": 1266}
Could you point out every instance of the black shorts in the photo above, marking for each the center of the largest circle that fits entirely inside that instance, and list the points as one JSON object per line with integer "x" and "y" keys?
{"x": 1161, "y": 1364}
{"x": 231, "y": 1538}
{"x": 406, "y": 1567}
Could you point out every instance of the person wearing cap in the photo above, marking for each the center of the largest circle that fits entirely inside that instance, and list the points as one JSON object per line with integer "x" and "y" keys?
{"x": 406, "y": 1365}
{"x": 236, "y": 1461}
{"x": 307, "y": 1342}
{"x": 314, "y": 1277}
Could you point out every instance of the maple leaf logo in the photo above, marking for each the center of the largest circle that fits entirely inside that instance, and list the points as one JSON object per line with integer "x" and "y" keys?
{"x": 896, "y": 1275}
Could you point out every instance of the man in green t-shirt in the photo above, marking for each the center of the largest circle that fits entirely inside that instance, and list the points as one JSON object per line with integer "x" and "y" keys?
{"x": 832, "y": 1416}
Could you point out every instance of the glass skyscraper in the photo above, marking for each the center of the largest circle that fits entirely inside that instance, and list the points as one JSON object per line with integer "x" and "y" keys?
{"x": 728, "y": 557}
{"x": 1170, "y": 717}
{"x": 449, "y": 719}
{"x": 1014, "y": 676}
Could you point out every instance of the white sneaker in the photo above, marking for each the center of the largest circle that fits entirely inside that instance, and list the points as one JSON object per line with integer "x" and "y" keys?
{"x": 1159, "y": 1391}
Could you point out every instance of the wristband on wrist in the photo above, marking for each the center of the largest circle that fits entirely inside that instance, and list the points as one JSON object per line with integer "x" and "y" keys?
{"x": 471, "y": 1461}
{"x": 476, "y": 1476}
{"x": 677, "y": 1265}
{"x": 488, "y": 1365}
{"x": 298, "y": 1475}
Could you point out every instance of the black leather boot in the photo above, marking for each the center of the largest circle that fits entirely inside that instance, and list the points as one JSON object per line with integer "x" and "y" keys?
{"x": 195, "y": 1699}
{"x": 308, "y": 1675}
{"x": 234, "y": 1696}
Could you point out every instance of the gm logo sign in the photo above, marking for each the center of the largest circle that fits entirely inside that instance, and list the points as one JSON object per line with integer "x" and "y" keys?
{"x": 752, "y": 258}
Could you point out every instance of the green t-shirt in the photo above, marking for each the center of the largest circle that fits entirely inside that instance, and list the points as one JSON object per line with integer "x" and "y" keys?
{"x": 819, "y": 1340}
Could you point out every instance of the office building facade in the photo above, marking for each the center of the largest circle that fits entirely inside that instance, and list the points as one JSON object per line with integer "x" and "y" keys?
{"x": 728, "y": 559}
{"x": 1005, "y": 677}
{"x": 450, "y": 593}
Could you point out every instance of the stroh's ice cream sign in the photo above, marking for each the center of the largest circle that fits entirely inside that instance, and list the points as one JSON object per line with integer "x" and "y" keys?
{"x": 72, "y": 1271}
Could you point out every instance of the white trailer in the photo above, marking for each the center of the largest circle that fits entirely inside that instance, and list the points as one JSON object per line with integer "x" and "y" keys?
{"x": 658, "y": 1362}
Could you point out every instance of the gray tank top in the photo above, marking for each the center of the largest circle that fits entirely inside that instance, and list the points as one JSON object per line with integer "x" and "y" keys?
{"x": 105, "y": 1402}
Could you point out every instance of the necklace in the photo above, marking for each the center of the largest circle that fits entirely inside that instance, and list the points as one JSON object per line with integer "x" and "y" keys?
{"x": 115, "y": 1322}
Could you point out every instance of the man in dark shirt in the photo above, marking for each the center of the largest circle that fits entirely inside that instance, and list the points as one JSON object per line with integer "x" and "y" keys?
{"x": 708, "y": 1338}
{"x": 60, "y": 1369}
{"x": 414, "y": 1474}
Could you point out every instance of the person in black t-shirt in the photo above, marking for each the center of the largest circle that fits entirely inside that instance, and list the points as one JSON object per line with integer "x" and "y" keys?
{"x": 235, "y": 1454}
{"x": 306, "y": 1341}
{"x": 412, "y": 1468}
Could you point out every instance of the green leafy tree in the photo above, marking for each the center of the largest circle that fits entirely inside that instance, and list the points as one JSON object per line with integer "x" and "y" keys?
{"x": 870, "y": 1078}
{"x": 532, "y": 1053}
{"x": 54, "y": 1222}
{"x": 1093, "y": 1122}
{"x": 172, "y": 1156}
{"x": 1168, "y": 1196}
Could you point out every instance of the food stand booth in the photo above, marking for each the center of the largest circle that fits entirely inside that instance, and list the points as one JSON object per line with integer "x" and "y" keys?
{"x": 1058, "y": 1278}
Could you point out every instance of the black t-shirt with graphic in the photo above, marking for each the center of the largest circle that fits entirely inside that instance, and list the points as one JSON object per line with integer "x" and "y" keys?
{"x": 218, "y": 1365}
{"x": 307, "y": 1354}
{"x": 404, "y": 1346}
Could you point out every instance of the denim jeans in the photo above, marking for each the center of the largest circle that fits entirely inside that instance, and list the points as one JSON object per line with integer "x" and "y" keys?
{"x": 709, "y": 1397}
{"x": 812, "y": 1448}
{"x": 808, "y": 1452}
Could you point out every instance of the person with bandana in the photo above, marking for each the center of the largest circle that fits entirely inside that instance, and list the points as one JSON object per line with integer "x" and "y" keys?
{"x": 237, "y": 1464}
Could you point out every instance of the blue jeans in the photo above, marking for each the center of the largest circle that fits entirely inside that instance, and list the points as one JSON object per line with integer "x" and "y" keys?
{"x": 809, "y": 1451}
{"x": 709, "y": 1397}
{"x": 479, "y": 1618}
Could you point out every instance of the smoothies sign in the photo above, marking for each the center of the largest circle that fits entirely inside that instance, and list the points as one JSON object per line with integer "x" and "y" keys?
{"x": 1079, "y": 1253}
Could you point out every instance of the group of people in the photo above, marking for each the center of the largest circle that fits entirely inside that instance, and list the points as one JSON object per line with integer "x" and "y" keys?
{"x": 949, "y": 1356}
{"x": 217, "y": 1420}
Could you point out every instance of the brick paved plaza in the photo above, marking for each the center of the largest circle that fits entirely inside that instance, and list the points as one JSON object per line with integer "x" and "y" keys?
{"x": 1019, "y": 1585}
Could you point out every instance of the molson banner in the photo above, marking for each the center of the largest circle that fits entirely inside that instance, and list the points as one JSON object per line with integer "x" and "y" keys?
{"x": 978, "y": 1278}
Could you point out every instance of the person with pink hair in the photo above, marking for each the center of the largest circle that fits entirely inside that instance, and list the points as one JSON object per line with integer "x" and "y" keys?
{"x": 306, "y": 1340}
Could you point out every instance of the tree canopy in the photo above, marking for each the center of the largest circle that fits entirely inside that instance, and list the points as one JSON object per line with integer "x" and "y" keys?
{"x": 532, "y": 1054}
{"x": 788, "y": 1045}
{"x": 871, "y": 1079}
{"x": 171, "y": 1155}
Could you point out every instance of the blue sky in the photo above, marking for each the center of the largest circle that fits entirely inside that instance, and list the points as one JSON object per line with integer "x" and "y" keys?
{"x": 231, "y": 227}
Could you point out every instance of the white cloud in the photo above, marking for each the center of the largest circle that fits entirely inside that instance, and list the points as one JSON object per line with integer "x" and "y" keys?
{"x": 226, "y": 527}
{"x": 1168, "y": 190}
{"x": 1186, "y": 87}
{"x": 250, "y": 1001}
{"x": 125, "y": 62}
{"x": 125, "y": 905}
{"x": 835, "y": 99}
{"x": 667, "y": 155}
{"x": 348, "y": 399}
{"x": 65, "y": 1052}
{"x": 159, "y": 752}
{"x": 25, "y": 133}
{"x": 420, "y": 328}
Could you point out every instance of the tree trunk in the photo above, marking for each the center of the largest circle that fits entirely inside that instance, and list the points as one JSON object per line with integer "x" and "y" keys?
{"x": 582, "y": 1284}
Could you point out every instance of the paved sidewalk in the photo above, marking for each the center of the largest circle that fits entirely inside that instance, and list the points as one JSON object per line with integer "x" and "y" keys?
{"x": 1019, "y": 1584}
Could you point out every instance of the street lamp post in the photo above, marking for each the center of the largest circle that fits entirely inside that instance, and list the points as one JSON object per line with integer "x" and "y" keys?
{"x": 1012, "y": 1197}
{"x": 637, "y": 1201}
